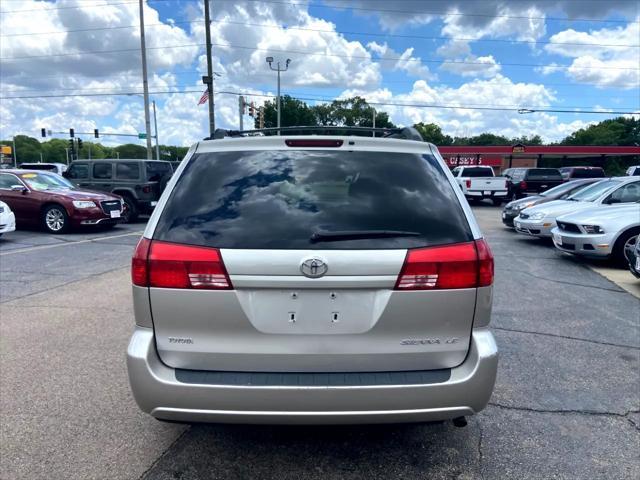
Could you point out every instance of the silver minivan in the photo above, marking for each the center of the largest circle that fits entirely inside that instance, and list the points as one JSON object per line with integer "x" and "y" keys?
{"x": 312, "y": 279}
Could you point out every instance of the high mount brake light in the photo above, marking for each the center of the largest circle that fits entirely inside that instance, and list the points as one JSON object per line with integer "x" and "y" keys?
{"x": 462, "y": 265}
{"x": 314, "y": 143}
{"x": 170, "y": 265}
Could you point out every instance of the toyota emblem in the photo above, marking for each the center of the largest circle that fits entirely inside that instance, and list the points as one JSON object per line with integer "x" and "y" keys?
{"x": 313, "y": 267}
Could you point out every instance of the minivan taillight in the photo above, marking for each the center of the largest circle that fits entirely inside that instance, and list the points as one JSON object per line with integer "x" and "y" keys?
{"x": 171, "y": 265}
{"x": 523, "y": 185}
{"x": 462, "y": 265}
{"x": 139, "y": 270}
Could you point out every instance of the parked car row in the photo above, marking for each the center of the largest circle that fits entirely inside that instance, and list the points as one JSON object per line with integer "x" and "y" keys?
{"x": 592, "y": 218}
{"x": 479, "y": 182}
{"x": 89, "y": 193}
{"x": 47, "y": 200}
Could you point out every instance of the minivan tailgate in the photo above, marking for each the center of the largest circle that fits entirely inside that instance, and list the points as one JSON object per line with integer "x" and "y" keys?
{"x": 276, "y": 319}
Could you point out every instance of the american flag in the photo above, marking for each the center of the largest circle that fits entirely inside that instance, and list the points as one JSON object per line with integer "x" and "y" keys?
{"x": 204, "y": 97}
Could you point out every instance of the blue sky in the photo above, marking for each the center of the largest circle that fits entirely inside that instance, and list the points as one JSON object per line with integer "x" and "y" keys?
{"x": 411, "y": 58}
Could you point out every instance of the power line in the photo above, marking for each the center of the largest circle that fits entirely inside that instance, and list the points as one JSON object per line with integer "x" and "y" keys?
{"x": 5, "y": 12}
{"x": 342, "y": 32}
{"x": 257, "y": 75}
{"x": 424, "y": 12}
{"x": 346, "y": 7}
{"x": 110, "y": 90}
{"x": 394, "y": 104}
{"x": 301, "y": 52}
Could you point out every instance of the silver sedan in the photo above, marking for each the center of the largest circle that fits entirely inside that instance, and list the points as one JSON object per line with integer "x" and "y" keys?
{"x": 598, "y": 232}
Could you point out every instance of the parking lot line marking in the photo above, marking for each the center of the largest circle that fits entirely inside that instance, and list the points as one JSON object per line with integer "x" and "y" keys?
{"x": 66, "y": 244}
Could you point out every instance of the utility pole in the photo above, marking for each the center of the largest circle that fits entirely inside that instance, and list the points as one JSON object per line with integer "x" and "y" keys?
{"x": 241, "y": 111}
{"x": 15, "y": 153}
{"x": 209, "y": 78}
{"x": 155, "y": 126}
{"x": 66, "y": 150}
{"x": 278, "y": 69}
{"x": 145, "y": 83}
{"x": 373, "y": 134}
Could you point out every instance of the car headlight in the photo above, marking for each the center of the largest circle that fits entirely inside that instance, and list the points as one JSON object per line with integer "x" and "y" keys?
{"x": 536, "y": 216}
{"x": 593, "y": 228}
{"x": 83, "y": 204}
{"x": 522, "y": 206}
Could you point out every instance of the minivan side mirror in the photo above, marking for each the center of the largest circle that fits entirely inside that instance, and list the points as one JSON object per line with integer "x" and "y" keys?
{"x": 65, "y": 174}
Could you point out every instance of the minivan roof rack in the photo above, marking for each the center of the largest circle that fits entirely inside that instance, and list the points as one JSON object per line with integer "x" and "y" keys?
{"x": 407, "y": 133}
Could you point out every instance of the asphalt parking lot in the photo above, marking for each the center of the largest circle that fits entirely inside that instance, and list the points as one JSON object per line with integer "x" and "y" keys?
{"x": 566, "y": 403}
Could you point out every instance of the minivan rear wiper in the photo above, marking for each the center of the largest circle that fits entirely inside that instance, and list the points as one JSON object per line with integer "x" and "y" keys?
{"x": 327, "y": 236}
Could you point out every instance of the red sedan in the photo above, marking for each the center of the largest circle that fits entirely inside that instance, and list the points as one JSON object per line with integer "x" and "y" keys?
{"x": 50, "y": 201}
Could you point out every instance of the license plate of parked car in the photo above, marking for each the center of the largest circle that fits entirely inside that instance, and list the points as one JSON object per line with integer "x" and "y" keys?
{"x": 115, "y": 213}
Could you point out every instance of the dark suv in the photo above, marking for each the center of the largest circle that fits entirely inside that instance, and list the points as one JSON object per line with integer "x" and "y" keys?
{"x": 572, "y": 173}
{"x": 526, "y": 181}
{"x": 138, "y": 182}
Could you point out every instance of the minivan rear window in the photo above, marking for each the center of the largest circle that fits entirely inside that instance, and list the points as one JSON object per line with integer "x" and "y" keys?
{"x": 278, "y": 199}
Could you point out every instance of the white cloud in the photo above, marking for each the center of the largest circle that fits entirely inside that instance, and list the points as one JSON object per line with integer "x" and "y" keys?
{"x": 473, "y": 66}
{"x": 405, "y": 61}
{"x": 595, "y": 60}
{"x": 500, "y": 91}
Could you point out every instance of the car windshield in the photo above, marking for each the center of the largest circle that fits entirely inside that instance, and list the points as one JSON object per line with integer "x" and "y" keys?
{"x": 45, "y": 181}
{"x": 302, "y": 199}
{"x": 564, "y": 188}
{"x": 594, "y": 191}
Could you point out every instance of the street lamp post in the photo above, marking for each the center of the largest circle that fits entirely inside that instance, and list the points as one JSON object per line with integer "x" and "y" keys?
{"x": 145, "y": 83}
{"x": 278, "y": 69}
{"x": 155, "y": 126}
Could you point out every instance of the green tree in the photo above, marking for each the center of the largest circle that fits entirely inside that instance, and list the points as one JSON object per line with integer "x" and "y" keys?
{"x": 130, "y": 150}
{"x": 433, "y": 133}
{"x": 356, "y": 112}
{"x": 482, "y": 139}
{"x": 294, "y": 113}
{"x": 615, "y": 131}
{"x": 525, "y": 140}
{"x": 28, "y": 149}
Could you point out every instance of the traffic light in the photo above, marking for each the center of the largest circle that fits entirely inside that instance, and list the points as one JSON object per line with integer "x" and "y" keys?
{"x": 79, "y": 144}
{"x": 252, "y": 110}
{"x": 96, "y": 133}
{"x": 43, "y": 132}
{"x": 72, "y": 148}
{"x": 71, "y": 134}
{"x": 259, "y": 123}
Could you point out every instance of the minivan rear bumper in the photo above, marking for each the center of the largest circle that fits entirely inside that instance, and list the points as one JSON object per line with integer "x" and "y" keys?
{"x": 159, "y": 393}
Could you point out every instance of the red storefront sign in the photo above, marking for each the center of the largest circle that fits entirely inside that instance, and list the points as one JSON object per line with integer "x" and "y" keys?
{"x": 455, "y": 160}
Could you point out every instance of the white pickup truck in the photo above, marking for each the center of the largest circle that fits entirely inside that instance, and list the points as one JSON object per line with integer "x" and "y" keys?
{"x": 478, "y": 183}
